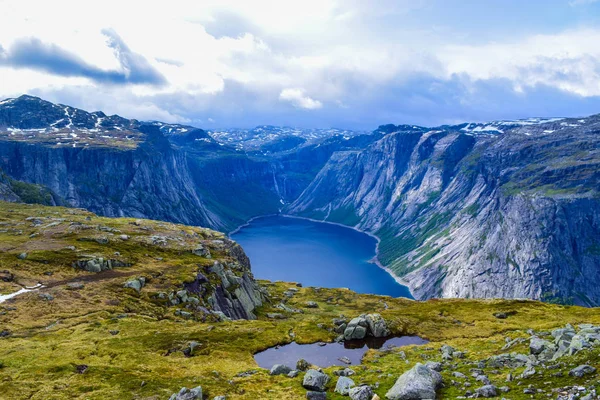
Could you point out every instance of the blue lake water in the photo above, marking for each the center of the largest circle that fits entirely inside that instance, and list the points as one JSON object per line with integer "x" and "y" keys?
{"x": 315, "y": 254}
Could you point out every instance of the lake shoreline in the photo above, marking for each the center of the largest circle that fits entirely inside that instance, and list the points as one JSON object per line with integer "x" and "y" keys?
{"x": 374, "y": 260}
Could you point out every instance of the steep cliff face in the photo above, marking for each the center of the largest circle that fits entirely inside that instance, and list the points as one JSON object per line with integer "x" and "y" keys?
{"x": 511, "y": 214}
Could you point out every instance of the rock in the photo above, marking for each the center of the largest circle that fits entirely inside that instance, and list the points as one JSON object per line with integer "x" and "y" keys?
{"x": 75, "y": 285}
{"x": 124, "y": 237}
{"x": 46, "y": 296}
{"x": 99, "y": 264}
{"x": 81, "y": 368}
{"x": 537, "y": 345}
{"x": 417, "y": 383}
{"x": 316, "y": 395}
{"x": 345, "y": 360}
{"x": 582, "y": 370}
{"x": 294, "y": 373}
{"x": 377, "y": 326}
{"x": 311, "y": 304}
{"x": 459, "y": 375}
{"x": 361, "y": 393}
{"x": 276, "y": 316}
{"x": 501, "y": 315}
{"x": 188, "y": 394}
{"x": 315, "y": 380}
{"x": 529, "y": 372}
{"x": 447, "y": 352}
{"x": 6, "y": 276}
{"x": 343, "y": 385}
{"x": 356, "y": 329}
{"x": 136, "y": 284}
{"x": 280, "y": 369}
{"x": 344, "y": 372}
{"x": 483, "y": 379}
{"x": 220, "y": 398}
{"x": 434, "y": 365}
{"x": 487, "y": 391}
{"x": 302, "y": 364}
{"x": 22, "y": 256}
{"x": 189, "y": 351}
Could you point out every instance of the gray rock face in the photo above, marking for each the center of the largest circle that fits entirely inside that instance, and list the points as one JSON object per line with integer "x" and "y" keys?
{"x": 238, "y": 294}
{"x": 417, "y": 383}
{"x": 188, "y": 394}
{"x": 343, "y": 385}
{"x": 315, "y": 380}
{"x": 365, "y": 325}
{"x": 485, "y": 200}
{"x": 361, "y": 393}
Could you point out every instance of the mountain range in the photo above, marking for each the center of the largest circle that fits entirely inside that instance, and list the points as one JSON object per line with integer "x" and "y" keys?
{"x": 477, "y": 210}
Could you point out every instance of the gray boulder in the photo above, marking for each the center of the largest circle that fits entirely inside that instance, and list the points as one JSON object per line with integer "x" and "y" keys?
{"x": 315, "y": 380}
{"x": 188, "y": 394}
{"x": 280, "y": 369}
{"x": 417, "y": 383}
{"x": 537, "y": 345}
{"x": 434, "y": 365}
{"x": 487, "y": 391}
{"x": 136, "y": 284}
{"x": 343, "y": 385}
{"x": 316, "y": 395}
{"x": 356, "y": 329}
{"x": 377, "y": 325}
{"x": 361, "y": 393}
{"x": 582, "y": 370}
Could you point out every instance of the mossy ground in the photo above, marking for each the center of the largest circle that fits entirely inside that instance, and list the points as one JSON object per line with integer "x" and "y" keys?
{"x": 49, "y": 339}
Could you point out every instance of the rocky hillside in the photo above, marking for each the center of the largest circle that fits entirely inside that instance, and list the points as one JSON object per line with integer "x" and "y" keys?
{"x": 119, "y": 167}
{"x": 152, "y": 310}
{"x": 497, "y": 210}
{"x": 502, "y": 209}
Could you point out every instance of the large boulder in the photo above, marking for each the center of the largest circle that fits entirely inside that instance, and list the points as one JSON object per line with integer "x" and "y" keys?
{"x": 343, "y": 385}
{"x": 315, "y": 380}
{"x": 188, "y": 394}
{"x": 377, "y": 326}
{"x": 356, "y": 329}
{"x": 417, "y": 383}
{"x": 582, "y": 370}
{"x": 487, "y": 391}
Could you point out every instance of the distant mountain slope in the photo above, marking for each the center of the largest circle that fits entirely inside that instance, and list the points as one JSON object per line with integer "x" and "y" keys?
{"x": 476, "y": 212}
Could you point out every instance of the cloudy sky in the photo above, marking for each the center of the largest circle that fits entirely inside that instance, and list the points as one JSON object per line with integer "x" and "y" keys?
{"x": 310, "y": 63}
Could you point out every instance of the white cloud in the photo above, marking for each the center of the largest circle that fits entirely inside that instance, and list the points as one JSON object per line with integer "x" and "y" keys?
{"x": 575, "y": 3}
{"x": 299, "y": 99}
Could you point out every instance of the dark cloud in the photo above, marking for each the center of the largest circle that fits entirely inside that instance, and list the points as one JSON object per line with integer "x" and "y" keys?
{"x": 34, "y": 54}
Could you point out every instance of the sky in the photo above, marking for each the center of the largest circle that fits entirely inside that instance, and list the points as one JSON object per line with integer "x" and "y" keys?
{"x": 349, "y": 64}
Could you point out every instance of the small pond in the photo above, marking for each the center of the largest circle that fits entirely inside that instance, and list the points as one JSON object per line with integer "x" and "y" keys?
{"x": 329, "y": 354}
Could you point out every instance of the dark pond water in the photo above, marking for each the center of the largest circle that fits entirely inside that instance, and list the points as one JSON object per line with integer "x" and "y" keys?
{"x": 329, "y": 354}
{"x": 315, "y": 254}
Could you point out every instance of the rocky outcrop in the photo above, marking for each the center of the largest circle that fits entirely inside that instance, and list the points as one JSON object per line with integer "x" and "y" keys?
{"x": 366, "y": 325}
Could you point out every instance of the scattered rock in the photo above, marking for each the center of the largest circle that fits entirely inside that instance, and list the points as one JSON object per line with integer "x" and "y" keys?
{"x": 316, "y": 395}
{"x": 188, "y": 394}
{"x": 361, "y": 393}
{"x": 136, "y": 284}
{"x": 81, "y": 368}
{"x": 582, "y": 370}
{"x": 280, "y": 369}
{"x": 377, "y": 326}
{"x": 434, "y": 365}
{"x": 487, "y": 391}
{"x": 356, "y": 329}
{"x": 75, "y": 285}
{"x": 343, "y": 385}
{"x": 311, "y": 304}
{"x": 417, "y": 383}
{"x": 302, "y": 364}
{"x": 46, "y": 296}
{"x": 315, "y": 380}
{"x": 22, "y": 256}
